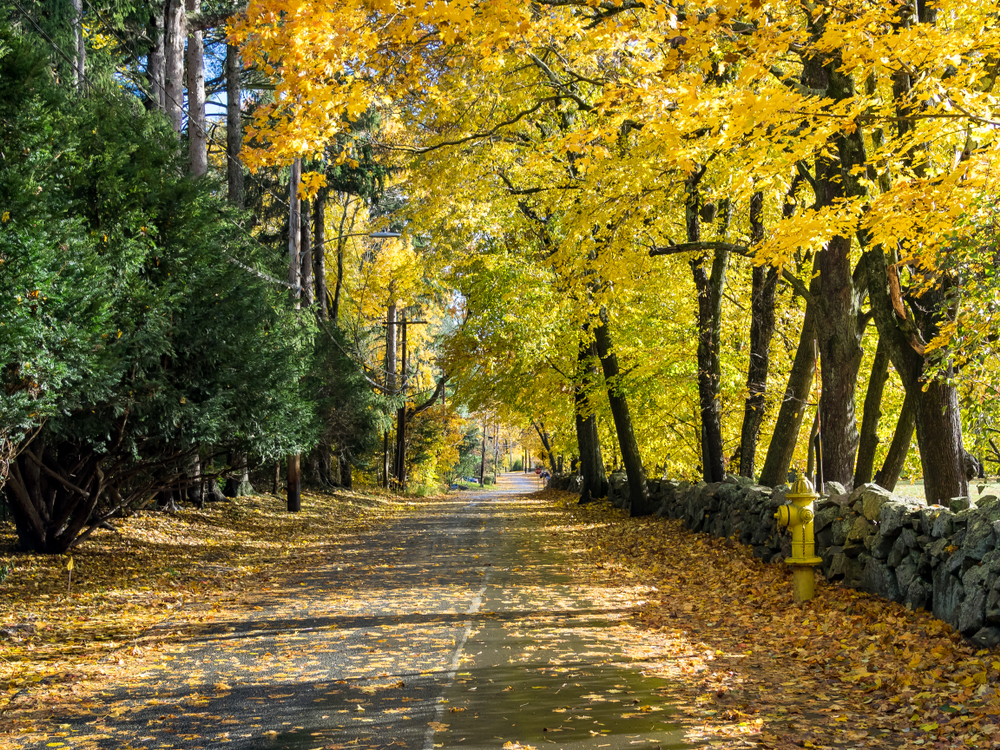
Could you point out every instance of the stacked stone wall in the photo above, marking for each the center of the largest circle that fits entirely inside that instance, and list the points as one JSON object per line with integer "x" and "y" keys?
{"x": 945, "y": 561}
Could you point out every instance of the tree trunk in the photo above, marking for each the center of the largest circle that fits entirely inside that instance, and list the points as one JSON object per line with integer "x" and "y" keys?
{"x": 80, "y": 49}
{"x": 482, "y": 460}
{"x": 781, "y": 449}
{"x": 868, "y": 444}
{"x": 895, "y": 459}
{"x": 51, "y": 506}
{"x": 234, "y": 125}
{"x": 156, "y": 64}
{"x": 306, "y": 255}
{"x": 638, "y": 491}
{"x": 238, "y": 480}
{"x": 193, "y": 491}
{"x": 295, "y": 233}
{"x": 709, "y": 288}
{"x": 588, "y": 441}
{"x": 197, "y": 129}
{"x": 175, "y": 24}
{"x": 939, "y": 437}
{"x": 294, "y": 484}
{"x": 319, "y": 255}
{"x": 345, "y": 473}
{"x": 543, "y": 435}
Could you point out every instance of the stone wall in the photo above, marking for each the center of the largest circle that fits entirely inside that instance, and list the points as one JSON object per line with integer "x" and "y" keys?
{"x": 946, "y": 561}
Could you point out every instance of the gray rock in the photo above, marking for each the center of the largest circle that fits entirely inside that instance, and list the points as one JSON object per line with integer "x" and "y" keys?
{"x": 892, "y": 517}
{"x": 841, "y": 528}
{"x": 948, "y": 594}
{"x": 834, "y": 488}
{"x": 862, "y": 529}
{"x": 824, "y": 540}
{"x": 836, "y": 567}
{"x": 944, "y": 524}
{"x": 972, "y": 614}
{"x": 979, "y": 539}
{"x": 927, "y": 516}
{"x": 897, "y": 554}
{"x": 957, "y": 563}
{"x": 939, "y": 548}
{"x": 879, "y": 579}
{"x": 826, "y": 516}
{"x": 872, "y": 499}
{"x": 993, "y": 604}
{"x": 919, "y": 594}
{"x": 909, "y": 537}
{"x": 977, "y": 575}
{"x": 854, "y": 549}
{"x": 959, "y": 503}
{"x": 988, "y": 502}
{"x": 987, "y": 637}
{"x": 881, "y": 544}
{"x": 905, "y": 574}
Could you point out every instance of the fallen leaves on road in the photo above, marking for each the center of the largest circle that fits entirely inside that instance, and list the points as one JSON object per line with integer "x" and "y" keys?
{"x": 844, "y": 670}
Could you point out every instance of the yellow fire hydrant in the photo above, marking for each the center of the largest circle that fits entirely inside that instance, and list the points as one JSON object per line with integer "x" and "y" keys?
{"x": 799, "y": 518}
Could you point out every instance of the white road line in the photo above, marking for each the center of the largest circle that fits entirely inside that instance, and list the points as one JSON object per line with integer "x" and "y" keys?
{"x": 452, "y": 673}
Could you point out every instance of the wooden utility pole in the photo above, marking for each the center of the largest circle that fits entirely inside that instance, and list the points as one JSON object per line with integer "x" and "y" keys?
{"x": 401, "y": 412}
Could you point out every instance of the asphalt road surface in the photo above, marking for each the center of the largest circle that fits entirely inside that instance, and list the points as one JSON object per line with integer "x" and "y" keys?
{"x": 459, "y": 625}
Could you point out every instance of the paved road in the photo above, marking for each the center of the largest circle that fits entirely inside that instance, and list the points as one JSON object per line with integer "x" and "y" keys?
{"x": 459, "y": 625}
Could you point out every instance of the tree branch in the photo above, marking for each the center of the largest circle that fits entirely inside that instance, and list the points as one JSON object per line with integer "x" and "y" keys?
{"x": 693, "y": 247}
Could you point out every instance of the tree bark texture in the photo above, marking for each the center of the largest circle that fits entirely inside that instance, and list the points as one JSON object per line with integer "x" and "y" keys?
{"x": 865, "y": 468}
{"x": 764, "y": 286}
{"x": 294, "y": 484}
{"x": 319, "y": 256}
{"x": 234, "y": 126}
{"x": 895, "y": 459}
{"x": 295, "y": 232}
{"x": 588, "y": 440}
{"x": 156, "y": 64}
{"x": 543, "y": 435}
{"x": 80, "y": 48}
{"x": 306, "y": 255}
{"x": 640, "y": 504}
{"x": 793, "y": 407}
{"x": 175, "y": 27}
{"x": 197, "y": 127}
{"x": 709, "y": 287}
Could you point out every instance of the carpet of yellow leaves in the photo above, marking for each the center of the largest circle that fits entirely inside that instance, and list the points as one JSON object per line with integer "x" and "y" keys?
{"x": 62, "y": 638}
{"x": 844, "y": 670}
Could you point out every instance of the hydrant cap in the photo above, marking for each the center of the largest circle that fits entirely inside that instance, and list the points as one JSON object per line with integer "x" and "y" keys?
{"x": 802, "y": 486}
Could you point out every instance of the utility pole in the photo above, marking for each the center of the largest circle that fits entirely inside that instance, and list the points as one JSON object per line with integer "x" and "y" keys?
{"x": 401, "y": 413}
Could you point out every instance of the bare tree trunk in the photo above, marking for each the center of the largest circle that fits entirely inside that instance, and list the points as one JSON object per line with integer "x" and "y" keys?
{"x": 175, "y": 24}
{"x": 306, "y": 255}
{"x": 764, "y": 287}
{"x": 482, "y": 460}
{"x": 234, "y": 125}
{"x": 294, "y": 485}
{"x": 895, "y": 459}
{"x": 588, "y": 441}
{"x": 793, "y": 407}
{"x": 638, "y": 491}
{"x": 401, "y": 414}
{"x": 709, "y": 287}
{"x": 543, "y": 435}
{"x": 390, "y": 370}
{"x": 156, "y": 64}
{"x": 80, "y": 56}
{"x": 197, "y": 129}
{"x": 295, "y": 233}
{"x": 319, "y": 255}
{"x": 873, "y": 411}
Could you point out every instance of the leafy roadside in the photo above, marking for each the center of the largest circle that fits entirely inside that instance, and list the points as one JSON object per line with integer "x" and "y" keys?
{"x": 62, "y": 638}
{"x": 844, "y": 670}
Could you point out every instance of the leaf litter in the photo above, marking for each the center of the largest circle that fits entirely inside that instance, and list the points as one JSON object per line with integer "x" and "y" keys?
{"x": 745, "y": 666}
